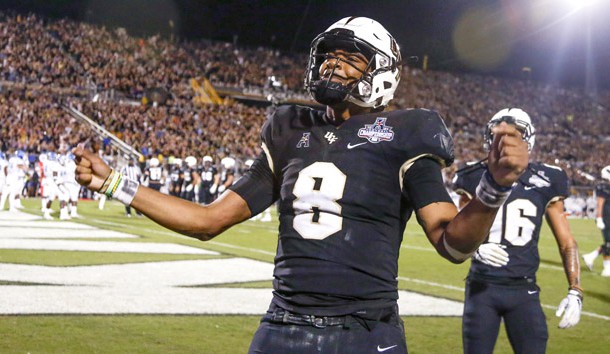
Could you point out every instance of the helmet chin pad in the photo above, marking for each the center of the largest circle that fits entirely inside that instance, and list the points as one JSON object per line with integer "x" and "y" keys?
{"x": 329, "y": 93}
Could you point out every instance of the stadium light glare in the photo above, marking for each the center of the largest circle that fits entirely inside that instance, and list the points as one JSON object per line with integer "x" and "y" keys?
{"x": 579, "y": 4}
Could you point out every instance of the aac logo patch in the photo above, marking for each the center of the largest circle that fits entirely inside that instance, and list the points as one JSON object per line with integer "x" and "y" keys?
{"x": 304, "y": 142}
{"x": 377, "y": 132}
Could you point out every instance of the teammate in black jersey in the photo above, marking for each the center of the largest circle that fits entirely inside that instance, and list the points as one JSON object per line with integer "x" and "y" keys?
{"x": 209, "y": 181}
{"x": 154, "y": 174}
{"x": 176, "y": 176}
{"x": 602, "y": 220}
{"x": 346, "y": 181}
{"x": 501, "y": 283}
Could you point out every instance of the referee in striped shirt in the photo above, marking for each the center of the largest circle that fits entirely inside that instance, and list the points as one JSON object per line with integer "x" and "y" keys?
{"x": 134, "y": 173}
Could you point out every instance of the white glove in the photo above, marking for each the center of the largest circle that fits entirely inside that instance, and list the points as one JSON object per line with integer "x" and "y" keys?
{"x": 213, "y": 189}
{"x": 221, "y": 188}
{"x": 572, "y": 305}
{"x": 492, "y": 254}
{"x": 189, "y": 188}
{"x": 600, "y": 223}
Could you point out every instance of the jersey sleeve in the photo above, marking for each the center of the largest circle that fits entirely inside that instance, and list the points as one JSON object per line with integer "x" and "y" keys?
{"x": 273, "y": 130}
{"x": 561, "y": 184}
{"x": 257, "y": 186}
{"x": 423, "y": 184}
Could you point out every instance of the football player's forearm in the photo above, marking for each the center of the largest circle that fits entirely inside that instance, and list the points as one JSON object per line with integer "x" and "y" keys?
{"x": 470, "y": 227}
{"x": 568, "y": 248}
{"x": 456, "y": 235}
{"x": 571, "y": 265}
{"x": 600, "y": 206}
{"x": 190, "y": 219}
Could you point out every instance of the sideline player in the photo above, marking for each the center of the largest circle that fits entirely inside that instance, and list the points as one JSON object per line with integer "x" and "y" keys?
{"x": 347, "y": 179}
{"x": 501, "y": 284}
{"x": 16, "y": 171}
{"x": 69, "y": 182}
{"x": 602, "y": 221}
{"x": 209, "y": 181}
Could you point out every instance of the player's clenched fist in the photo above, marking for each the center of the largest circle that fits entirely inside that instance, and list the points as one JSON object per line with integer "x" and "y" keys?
{"x": 508, "y": 156}
{"x": 91, "y": 170}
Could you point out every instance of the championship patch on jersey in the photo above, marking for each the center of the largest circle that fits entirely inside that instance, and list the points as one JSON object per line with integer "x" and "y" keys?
{"x": 377, "y": 132}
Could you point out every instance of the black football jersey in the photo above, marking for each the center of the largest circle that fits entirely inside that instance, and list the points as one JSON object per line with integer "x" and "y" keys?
{"x": 342, "y": 207}
{"x": 603, "y": 190}
{"x": 518, "y": 222}
{"x": 207, "y": 176}
{"x": 174, "y": 175}
{"x": 154, "y": 174}
{"x": 225, "y": 174}
{"x": 187, "y": 172}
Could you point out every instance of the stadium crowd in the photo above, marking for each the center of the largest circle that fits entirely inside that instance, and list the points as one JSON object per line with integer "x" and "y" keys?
{"x": 106, "y": 73}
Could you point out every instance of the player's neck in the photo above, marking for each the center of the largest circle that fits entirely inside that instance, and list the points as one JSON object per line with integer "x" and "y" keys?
{"x": 344, "y": 111}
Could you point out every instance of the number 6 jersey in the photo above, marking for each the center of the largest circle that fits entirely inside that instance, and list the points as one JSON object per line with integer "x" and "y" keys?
{"x": 342, "y": 202}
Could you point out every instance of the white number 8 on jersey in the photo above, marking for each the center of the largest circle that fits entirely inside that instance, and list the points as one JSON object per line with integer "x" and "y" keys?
{"x": 317, "y": 189}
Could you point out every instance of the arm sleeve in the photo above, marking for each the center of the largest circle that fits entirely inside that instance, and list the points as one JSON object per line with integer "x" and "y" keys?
{"x": 257, "y": 186}
{"x": 423, "y": 184}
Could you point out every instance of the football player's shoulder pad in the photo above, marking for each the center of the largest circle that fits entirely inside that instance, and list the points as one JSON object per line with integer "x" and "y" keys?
{"x": 602, "y": 190}
{"x": 423, "y": 132}
{"x": 286, "y": 118}
{"x": 556, "y": 176}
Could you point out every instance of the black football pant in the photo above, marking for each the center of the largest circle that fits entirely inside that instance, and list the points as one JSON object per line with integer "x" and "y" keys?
{"x": 486, "y": 304}
{"x": 298, "y": 334}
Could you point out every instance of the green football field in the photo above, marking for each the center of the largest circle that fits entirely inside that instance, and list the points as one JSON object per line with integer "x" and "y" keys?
{"x": 421, "y": 271}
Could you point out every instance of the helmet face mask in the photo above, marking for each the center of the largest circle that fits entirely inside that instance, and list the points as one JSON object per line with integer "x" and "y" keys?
{"x": 375, "y": 88}
{"x": 513, "y": 116}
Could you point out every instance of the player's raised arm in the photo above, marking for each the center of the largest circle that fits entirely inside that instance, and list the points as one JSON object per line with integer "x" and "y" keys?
{"x": 457, "y": 235}
{"x": 202, "y": 222}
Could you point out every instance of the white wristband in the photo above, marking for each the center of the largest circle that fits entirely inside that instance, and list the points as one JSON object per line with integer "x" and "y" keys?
{"x": 457, "y": 255}
{"x": 126, "y": 191}
{"x": 490, "y": 193}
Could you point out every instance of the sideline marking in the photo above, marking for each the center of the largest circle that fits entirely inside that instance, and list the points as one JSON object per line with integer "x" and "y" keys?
{"x": 167, "y": 287}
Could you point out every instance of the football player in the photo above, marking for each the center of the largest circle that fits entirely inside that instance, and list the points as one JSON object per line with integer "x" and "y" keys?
{"x": 176, "y": 177}
{"x": 209, "y": 181}
{"x": 501, "y": 283}
{"x": 154, "y": 174}
{"x": 54, "y": 187}
{"x": 3, "y": 173}
{"x": 69, "y": 182}
{"x": 16, "y": 170}
{"x": 602, "y": 221}
{"x": 346, "y": 180}
{"x": 227, "y": 174}
{"x": 191, "y": 181}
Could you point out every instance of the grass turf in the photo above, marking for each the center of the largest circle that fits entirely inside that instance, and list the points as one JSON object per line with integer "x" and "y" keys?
{"x": 420, "y": 270}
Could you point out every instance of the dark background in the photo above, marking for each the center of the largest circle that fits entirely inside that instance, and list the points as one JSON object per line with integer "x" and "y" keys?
{"x": 557, "y": 41}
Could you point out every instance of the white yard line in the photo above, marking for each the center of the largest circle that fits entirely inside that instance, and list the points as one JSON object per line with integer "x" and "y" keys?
{"x": 176, "y": 287}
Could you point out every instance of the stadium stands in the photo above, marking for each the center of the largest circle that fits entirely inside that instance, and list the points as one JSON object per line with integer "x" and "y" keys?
{"x": 106, "y": 73}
